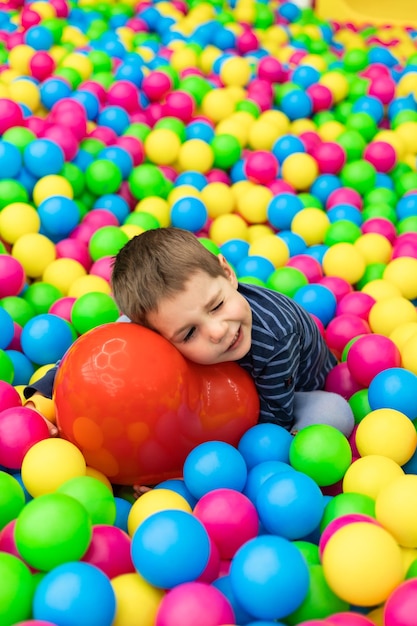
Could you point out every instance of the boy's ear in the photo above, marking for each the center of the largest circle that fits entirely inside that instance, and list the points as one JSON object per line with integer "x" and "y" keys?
{"x": 229, "y": 272}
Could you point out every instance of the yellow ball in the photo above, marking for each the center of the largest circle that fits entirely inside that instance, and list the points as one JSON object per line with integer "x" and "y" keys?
{"x": 257, "y": 231}
{"x": 402, "y": 334}
{"x": 408, "y": 134}
{"x": 402, "y": 272}
{"x": 369, "y": 474}
{"x": 153, "y": 501}
{"x": 263, "y": 135}
{"x": 362, "y": 564}
{"x": 162, "y": 146}
{"x": 40, "y": 372}
{"x": 377, "y": 616}
{"x": 396, "y": 509}
{"x": 87, "y": 284}
{"x": 133, "y": 591}
{"x": 183, "y": 191}
{"x": 389, "y": 313}
{"x": 44, "y": 9}
{"x": 337, "y": 83}
{"x": 81, "y": 63}
{"x": 51, "y": 185}
{"x": 218, "y": 198}
{"x": 253, "y": 205}
{"x": 62, "y": 273}
{"x": 277, "y": 119}
{"x": 387, "y": 432}
{"x": 331, "y": 130}
{"x": 235, "y": 71}
{"x": 375, "y": 248}
{"x": 407, "y": 84}
{"x": 183, "y": 59}
{"x": 227, "y": 227}
{"x": 380, "y": 289}
{"x": 95, "y": 473}
{"x": 300, "y": 170}
{"x": 49, "y": 463}
{"x": 25, "y": 92}
{"x": 409, "y": 354}
{"x": 18, "y": 219}
{"x": 303, "y": 125}
{"x": 158, "y": 207}
{"x": 35, "y": 252}
{"x": 345, "y": 261}
{"x": 131, "y": 230}
{"x": 197, "y": 155}
{"x": 217, "y": 105}
{"x": 19, "y": 58}
{"x": 311, "y": 224}
{"x": 207, "y": 58}
{"x": 271, "y": 247}
{"x": 241, "y": 188}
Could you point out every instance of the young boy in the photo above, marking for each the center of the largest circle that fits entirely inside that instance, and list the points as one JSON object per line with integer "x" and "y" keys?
{"x": 167, "y": 280}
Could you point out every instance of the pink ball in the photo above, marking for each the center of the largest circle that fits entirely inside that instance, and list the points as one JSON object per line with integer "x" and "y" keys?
{"x": 179, "y": 104}
{"x": 10, "y": 115}
{"x": 15, "y": 343}
{"x": 348, "y": 619}
{"x": 134, "y": 147}
{"x": 37, "y": 125}
{"x": 308, "y": 265}
{"x": 355, "y": 303}
{"x": 29, "y": 18}
{"x": 41, "y": 65}
{"x": 370, "y": 355}
{"x": 169, "y": 172}
{"x": 338, "y": 523}
{"x": 83, "y": 232}
{"x": 96, "y": 88}
{"x": 339, "y": 286}
{"x": 259, "y": 86}
{"x": 280, "y": 186}
{"x": 217, "y": 176}
{"x": 376, "y": 70}
{"x": 137, "y": 25}
{"x": 319, "y": 323}
{"x": 154, "y": 111}
{"x": 102, "y": 267}
{"x": 156, "y": 85}
{"x": 12, "y": 276}
{"x": 105, "y": 134}
{"x": 74, "y": 249}
{"x": 341, "y": 329}
{"x": 65, "y": 138}
{"x": 344, "y": 195}
{"x": 247, "y": 42}
{"x": 311, "y": 140}
{"x": 383, "y": 88}
{"x": 212, "y": 569}
{"x": 230, "y": 519}
{"x": 340, "y": 380}
{"x": 9, "y": 397}
{"x": 261, "y": 167}
{"x": 401, "y": 606}
{"x": 70, "y": 114}
{"x": 381, "y": 155}
{"x": 20, "y": 428}
{"x": 404, "y": 248}
{"x": 109, "y": 550}
{"x": 63, "y": 307}
{"x": 330, "y": 157}
{"x": 194, "y": 603}
{"x": 381, "y": 226}
{"x": 100, "y": 218}
{"x": 8, "y": 543}
{"x": 321, "y": 97}
{"x": 270, "y": 69}
{"x": 125, "y": 94}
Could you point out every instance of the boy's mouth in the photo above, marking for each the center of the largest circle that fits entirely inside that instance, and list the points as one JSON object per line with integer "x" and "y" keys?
{"x": 235, "y": 339}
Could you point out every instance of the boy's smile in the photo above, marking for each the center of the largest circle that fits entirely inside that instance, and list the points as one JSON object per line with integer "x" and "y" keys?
{"x": 209, "y": 321}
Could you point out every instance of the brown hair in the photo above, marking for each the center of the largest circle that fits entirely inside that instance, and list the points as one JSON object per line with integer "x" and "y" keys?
{"x": 155, "y": 265}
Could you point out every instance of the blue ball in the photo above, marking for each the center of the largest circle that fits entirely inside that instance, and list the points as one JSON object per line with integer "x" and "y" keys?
{"x": 286, "y": 145}
{"x": 199, "y": 130}
{"x": 324, "y": 185}
{"x": 318, "y": 300}
{"x": 115, "y": 204}
{"x": 194, "y": 179}
{"x": 256, "y": 267}
{"x": 290, "y": 11}
{"x": 123, "y": 507}
{"x": 394, "y": 388}
{"x": 224, "y": 585}
{"x": 45, "y": 338}
{"x": 169, "y": 548}
{"x": 296, "y": 105}
{"x": 270, "y": 577}
{"x": 265, "y": 442}
{"x": 237, "y": 171}
{"x": 189, "y": 213}
{"x": 290, "y": 504}
{"x": 234, "y": 250}
{"x": 295, "y": 243}
{"x": 23, "y": 368}
{"x": 52, "y": 90}
{"x": 305, "y": 75}
{"x": 42, "y": 157}
{"x": 214, "y": 465}
{"x": 114, "y": 117}
{"x": 383, "y": 180}
{"x": 317, "y": 251}
{"x": 178, "y": 485}
{"x": 370, "y": 105}
{"x": 403, "y": 103}
{"x": 258, "y": 474}
{"x": 75, "y": 594}
{"x": 118, "y": 156}
{"x": 39, "y": 37}
{"x": 89, "y": 101}
{"x": 282, "y": 209}
{"x": 7, "y": 328}
{"x": 407, "y": 206}
{"x": 59, "y": 216}
{"x": 131, "y": 72}
{"x": 345, "y": 212}
{"x": 10, "y": 160}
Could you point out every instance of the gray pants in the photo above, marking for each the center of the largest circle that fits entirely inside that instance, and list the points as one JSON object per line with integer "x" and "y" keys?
{"x": 322, "y": 407}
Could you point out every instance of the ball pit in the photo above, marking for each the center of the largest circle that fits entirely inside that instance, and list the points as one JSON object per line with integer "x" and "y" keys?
{"x": 289, "y": 144}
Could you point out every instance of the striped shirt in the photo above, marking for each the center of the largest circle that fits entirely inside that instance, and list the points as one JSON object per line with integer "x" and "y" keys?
{"x": 288, "y": 353}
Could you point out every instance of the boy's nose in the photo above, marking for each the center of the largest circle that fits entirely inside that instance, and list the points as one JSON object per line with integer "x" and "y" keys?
{"x": 217, "y": 331}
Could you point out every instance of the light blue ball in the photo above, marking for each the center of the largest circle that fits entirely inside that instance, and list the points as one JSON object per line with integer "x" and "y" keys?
{"x": 265, "y": 442}
{"x": 394, "y": 388}
{"x": 6, "y": 328}
{"x": 42, "y": 157}
{"x": 10, "y": 160}
{"x": 318, "y": 300}
{"x": 45, "y": 338}
{"x": 189, "y": 213}
{"x": 260, "y": 473}
{"x": 282, "y": 209}
{"x": 178, "y": 485}
{"x": 59, "y": 216}
{"x": 256, "y": 267}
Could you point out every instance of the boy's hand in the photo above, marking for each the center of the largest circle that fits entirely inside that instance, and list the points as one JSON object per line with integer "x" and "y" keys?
{"x": 45, "y": 408}
{"x": 139, "y": 490}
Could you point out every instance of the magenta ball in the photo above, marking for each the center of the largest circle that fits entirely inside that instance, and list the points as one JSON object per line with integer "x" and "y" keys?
{"x": 105, "y": 134}
{"x": 342, "y": 328}
{"x": 70, "y": 114}
{"x": 338, "y": 523}
{"x": 230, "y": 519}
{"x": 100, "y": 218}
{"x": 308, "y": 265}
{"x": 65, "y": 138}
{"x": 355, "y": 303}
{"x": 194, "y": 603}
{"x": 7, "y": 541}
{"x": 20, "y": 428}
{"x": 102, "y": 267}
{"x": 381, "y": 155}
{"x": 321, "y": 97}
{"x": 261, "y": 167}
{"x": 381, "y": 226}
{"x": 212, "y": 569}
{"x": 63, "y": 307}
{"x": 270, "y": 69}
{"x": 109, "y": 550}
{"x": 370, "y": 355}
{"x": 10, "y": 115}
{"x": 348, "y": 619}
{"x": 9, "y": 397}
{"x": 344, "y": 195}
{"x": 330, "y": 157}
{"x": 319, "y": 323}
{"x": 339, "y": 286}
{"x": 217, "y": 176}
{"x": 12, "y": 276}
{"x": 133, "y": 146}
{"x": 383, "y": 88}
{"x": 405, "y": 247}
{"x": 74, "y": 249}
{"x": 125, "y": 94}
{"x": 179, "y": 104}
{"x": 156, "y": 85}
{"x": 310, "y": 140}
{"x": 340, "y": 380}
{"x": 401, "y": 606}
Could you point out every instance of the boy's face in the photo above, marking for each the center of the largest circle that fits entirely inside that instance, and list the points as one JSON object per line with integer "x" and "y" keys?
{"x": 209, "y": 321}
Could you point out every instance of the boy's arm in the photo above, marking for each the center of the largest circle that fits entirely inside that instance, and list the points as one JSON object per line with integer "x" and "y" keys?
{"x": 38, "y": 396}
{"x": 43, "y": 386}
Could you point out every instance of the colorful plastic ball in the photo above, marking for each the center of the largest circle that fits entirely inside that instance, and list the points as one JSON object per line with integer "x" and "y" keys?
{"x": 40, "y": 296}
{"x": 282, "y": 209}
{"x": 300, "y": 170}
{"x": 11, "y": 114}
{"x": 106, "y": 241}
{"x": 369, "y": 474}
{"x": 387, "y": 432}
{"x": 223, "y": 584}
{"x": 400, "y": 607}
{"x": 371, "y": 562}
{"x": 330, "y": 157}
{"x": 170, "y": 548}
{"x": 261, "y": 167}
{"x": 20, "y": 428}
{"x": 259, "y": 473}
{"x": 162, "y": 146}
{"x": 194, "y": 601}
{"x": 13, "y": 276}
{"x": 345, "y": 504}
{"x": 214, "y": 465}
{"x": 370, "y": 355}
{"x": 230, "y": 519}
{"x": 401, "y": 272}
{"x": 189, "y": 213}
{"x": 9, "y": 396}
{"x": 42, "y": 157}
{"x": 152, "y": 502}
{"x": 308, "y": 265}
{"x": 45, "y": 338}
{"x": 318, "y": 300}
{"x": 130, "y": 589}
{"x": 265, "y": 442}
{"x": 290, "y": 505}
{"x": 12, "y": 499}
{"x": 389, "y": 313}
{"x": 269, "y": 577}
{"x": 393, "y": 389}
{"x": 93, "y": 495}
{"x": 103, "y": 176}
{"x": 78, "y": 593}
{"x": 59, "y": 216}
{"x": 17, "y": 582}
{"x": 311, "y": 224}
{"x": 91, "y": 310}
{"x": 345, "y": 261}
{"x": 109, "y": 550}
{"x": 286, "y": 280}
{"x": 178, "y": 485}
{"x": 342, "y": 329}
{"x": 322, "y": 452}
{"x": 381, "y": 155}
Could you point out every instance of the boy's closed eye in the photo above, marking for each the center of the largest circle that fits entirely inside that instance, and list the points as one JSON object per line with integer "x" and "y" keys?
{"x": 189, "y": 335}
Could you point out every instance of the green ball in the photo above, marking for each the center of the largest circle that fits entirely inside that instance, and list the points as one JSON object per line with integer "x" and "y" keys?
{"x": 322, "y": 117}
{"x": 18, "y": 308}
{"x": 373, "y": 271}
{"x": 286, "y": 280}
{"x": 12, "y": 499}
{"x": 138, "y": 130}
{"x": 364, "y": 124}
{"x": 100, "y": 60}
{"x": 406, "y": 182}
{"x": 226, "y": 150}
{"x": 355, "y": 60}
{"x": 95, "y": 497}
{"x": 196, "y": 86}
{"x": 343, "y": 110}
{"x": 379, "y": 209}
{"x": 93, "y": 309}
{"x": 106, "y": 79}
{"x": 143, "y": 220}
{"x": 210, "y": 245}
{"x": 146, "y": 180}
{"x": 345, "y": 504}
{"x": 322, "y": 452}
{"x": 19, "y": 136}
{"x": 359, "y": 175}
{"x": 402, "y": 117}
{"x": 12, "y": 191}
{"x": 309, "y": 201}
{"x": 248, "y": 106}
{"x": 359, "y": 403}
{"x": 173, "y": 124}
{"x": 342, "y": 231}
{"x": 264, "y": 16}
{"x": 407, "y": 225}
{"x": 400, "y": 169}
{"x": 352, "y": 143}
{"x": 102, "y": 177}
{"x": 75, "y": 176}
{"x": 107, "y": 241}
{"x": 252, "y": 280}
{"x": 358, "y": 87}
{"x": 41, "y": 296}
{"x": 412, "y": 571}
{"x": 320, "y": 600}
{"x": 92, "y": 145}
{"x": 71, "y": 75}
{"x": 309, "y": 550}
{"x": 17, "y": 589}
{"x": 381, "y": 195}
{"x": 52, "y": 529}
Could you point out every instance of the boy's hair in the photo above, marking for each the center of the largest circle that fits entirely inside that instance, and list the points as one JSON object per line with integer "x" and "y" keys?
{"x": 155, "y": 265}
